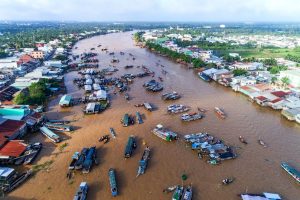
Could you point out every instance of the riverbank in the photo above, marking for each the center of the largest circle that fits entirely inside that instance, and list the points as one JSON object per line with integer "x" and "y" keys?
{"x": 256, "y": 169}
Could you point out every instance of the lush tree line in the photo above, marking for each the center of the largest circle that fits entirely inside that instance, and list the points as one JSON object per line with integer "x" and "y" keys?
{"x": 36, "y": 94}
{"x": 175, "y": 55}
{"x": 277, "y": 69}
{"x": 239, "y": 72}
{"x": 138, "y": 36}
{"x": 293, "y": 58}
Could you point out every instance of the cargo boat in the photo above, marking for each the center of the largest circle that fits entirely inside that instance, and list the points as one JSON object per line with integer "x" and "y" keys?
{"x": 49, "y": 134}
{"x": 81, "y": 193}
{"x": 139, "y": 118}
{"x": 130, "y": 146}
{"x": 177, "y": 108}
{"x": 34, "y": 150}
{"x": 18, "y": 180}
{"x": 291, "y": 171}
{"x": 177, "y": 195}
{"x": 144, "y": 161}
{"x": 112, "y": 182}
{"x": 188, "y": 193}
{"x": 191, "y": 116}
{"x": 58, "y": 127}
{"x": 164, "y": 133}
{"x": 79, "y": 162}
{"x": 89, "y": 159}
{"x": 75, "y": 157}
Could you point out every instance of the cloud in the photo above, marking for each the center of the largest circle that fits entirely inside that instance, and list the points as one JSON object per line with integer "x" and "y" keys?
{"x": 151, "y": 10}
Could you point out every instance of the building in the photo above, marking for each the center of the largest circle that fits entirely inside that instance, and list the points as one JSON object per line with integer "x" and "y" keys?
{"x": 248, "y": 66}
{"x": 53, "y": 63}
{"x": 37, "y": 54}
{"x": 8, "y": 64}
{"x": 11, "y": 150}
{"x": 11, "y": 129}
{"x": 293, "y": 75}
{"x": 25, "y": 59}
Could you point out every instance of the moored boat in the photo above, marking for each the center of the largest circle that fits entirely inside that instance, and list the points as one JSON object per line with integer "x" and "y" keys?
{"x": 191, "y": 116}
{"x": 79, "y": 162}
{"x": 49, "y": 134}
{"x": 177, "y": 193}
{"x": 75, "y": 157}
{"x": 144, "y": 161}
{"x": 177, "y": 108}
{"x": 112, "y": 182}
{"x": 34, "y": 150}
{"x": 220, "y": 112}
{"x": 17, "y": 181}
{"x": 164, "y": 133}
{"x": 81, "y": 193}
{"x": 242, "y": 140}
{"x": 89, "y": 159}
{"x": 291, "y": 171}
{"x": 139, "y": 118}
{"x": 112, "y": 132}
{"x": 187, "y": 193}
{"x": 130, "y": 146}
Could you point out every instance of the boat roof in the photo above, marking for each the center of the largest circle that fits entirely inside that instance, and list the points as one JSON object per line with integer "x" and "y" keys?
{"x": 83, "y": 184}
{"x": 5, "y": 171}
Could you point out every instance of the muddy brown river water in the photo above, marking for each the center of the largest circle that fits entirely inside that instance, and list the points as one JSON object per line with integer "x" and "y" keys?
{"x": 256, "y": 169}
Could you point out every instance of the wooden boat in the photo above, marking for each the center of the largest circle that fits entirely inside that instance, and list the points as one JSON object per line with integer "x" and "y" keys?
{"x": 49, "y": 134}
{"x": 112, "y": 132}
{"x": 227, "y": 181}
{"x": 242, "y": 140}
{"x": 58, "y": 127}
{"x": 170, "y": 189}
{"x": 17, "y": 181}
{"x": 89, "y": 159}
{"x": 127, "y": 120}
{"x": 75, "y": 157}
{"x": 81, "y": 193}
{"x": 79, "y": 162}
{"x": 144, "y": 161}
{"x": 33, "y": 152}
{"x": 220, "y": 112}
{"x": 130, "y": 146}
{"x": 126, "y": 96}
{"x": 187, "y": 193}
{"x": 177, "y": 193}
{"x": 201, "y": 110}
{"x": 191, "y": 116}
{"x": 139, "y": 118}
{"x": 291, "y": 171}
{"x": 262, "y": 143}
{"x": 164, "y": 133}
{"x": 112, "y": 182}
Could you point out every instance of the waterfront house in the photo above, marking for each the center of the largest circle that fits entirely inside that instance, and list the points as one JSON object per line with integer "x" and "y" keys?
{"x": 11, "y": 129}
{"x": 11, "y": 150}
{"x": 37, "y": 54}
{"x": 291, "y": 113}
{"x": 219, "y": 73}
{"x": 65, "y": 101}
{"x": 247, "y": 66}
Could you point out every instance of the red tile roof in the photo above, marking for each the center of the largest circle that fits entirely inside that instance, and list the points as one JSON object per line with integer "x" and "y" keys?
{"x": 279, "y": 93}
{"x": 276, "y": 100}
{"x": 8, "y": 128}
{"x": 13, "y": 148}
{"x": 261, "y": 98}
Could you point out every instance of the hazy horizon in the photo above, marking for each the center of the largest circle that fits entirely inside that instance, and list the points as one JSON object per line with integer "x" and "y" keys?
{"x": 205, "y": 11}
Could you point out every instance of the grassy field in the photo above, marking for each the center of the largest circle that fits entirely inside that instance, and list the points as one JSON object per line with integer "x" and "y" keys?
{"x": 262, "y": 52}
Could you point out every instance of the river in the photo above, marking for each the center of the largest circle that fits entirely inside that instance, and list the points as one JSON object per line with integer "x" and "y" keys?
{"x": 256, "y": 169}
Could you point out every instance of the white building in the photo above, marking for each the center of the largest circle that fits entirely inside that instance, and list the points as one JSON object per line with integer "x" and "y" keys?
{"x": 53, "y": 63}
{"x": 9, "y": 63}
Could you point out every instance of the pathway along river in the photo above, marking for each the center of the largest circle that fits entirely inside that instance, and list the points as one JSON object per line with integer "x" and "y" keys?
{"x": 256, "y": 169}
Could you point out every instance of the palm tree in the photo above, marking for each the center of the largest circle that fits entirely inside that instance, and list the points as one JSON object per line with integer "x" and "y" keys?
{"x": 285, "y": 81}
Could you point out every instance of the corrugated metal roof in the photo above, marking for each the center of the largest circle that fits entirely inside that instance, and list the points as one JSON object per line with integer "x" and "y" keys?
{"x": 13, "y": 148}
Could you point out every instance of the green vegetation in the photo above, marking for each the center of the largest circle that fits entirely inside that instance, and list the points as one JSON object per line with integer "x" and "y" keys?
{"x": 175, "y": 55}
{"x": 45, "y": 166}
{"x": 285, "y": 81}
{"x": 295, "y": 58}
{"x": 138, "y": 36}
{"x": 36, "y": 94}
{"x": 63, "y": 146}
{"x": 270, "y": 62}
{"x": 229, "y": 58}
{"x": 61, "y": 57}
{"x": 277, "y": 69}
{"x": 239, "y": 72}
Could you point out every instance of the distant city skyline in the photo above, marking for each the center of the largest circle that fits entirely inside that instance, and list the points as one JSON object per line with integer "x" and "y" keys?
{"x": 152, "y": 10}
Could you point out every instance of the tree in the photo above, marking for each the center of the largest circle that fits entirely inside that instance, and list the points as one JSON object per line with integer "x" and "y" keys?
{"x": 239, "y": 72}
{"x": 273, "y": 80}
{"x": 285, "y": 81}
{"x": 270, "y": 62}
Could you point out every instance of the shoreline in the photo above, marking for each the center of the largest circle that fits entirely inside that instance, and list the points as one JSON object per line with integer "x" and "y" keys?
{"x": 161, "y": 172}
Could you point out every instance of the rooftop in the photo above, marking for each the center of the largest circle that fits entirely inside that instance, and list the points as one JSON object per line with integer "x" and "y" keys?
{"x": 13, "y": 148}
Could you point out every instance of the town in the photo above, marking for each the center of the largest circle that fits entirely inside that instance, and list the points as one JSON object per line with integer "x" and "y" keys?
{"x": 148, "y": 110}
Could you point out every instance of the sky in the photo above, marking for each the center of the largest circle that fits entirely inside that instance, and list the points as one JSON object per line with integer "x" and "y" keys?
{"x": 152, "y": 10}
